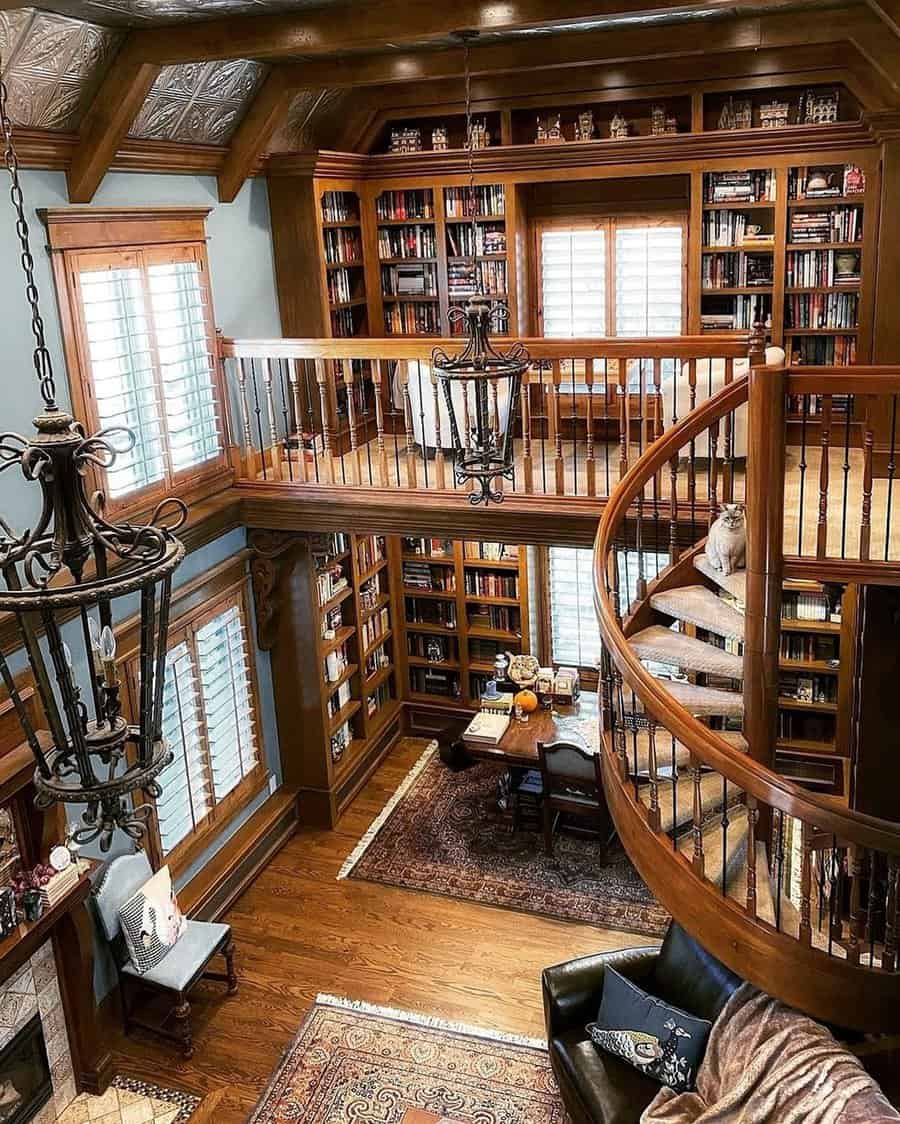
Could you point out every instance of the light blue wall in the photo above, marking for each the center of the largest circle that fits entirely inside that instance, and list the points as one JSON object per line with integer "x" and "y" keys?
{"x": 245, "y": 304}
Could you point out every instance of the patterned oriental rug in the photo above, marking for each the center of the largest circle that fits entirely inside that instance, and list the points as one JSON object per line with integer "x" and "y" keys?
{"x": 441, "y": 832}
{"x": 352, "y": 1061}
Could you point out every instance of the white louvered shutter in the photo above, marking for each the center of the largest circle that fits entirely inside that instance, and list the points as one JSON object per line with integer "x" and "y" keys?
{"x": 227, "y": 699}
{"x": 121, "y": 361}
{"x": 573, "y": 283}
{"x": 649, "y": 280}
{"x": 574, "y": 633}
{"x": 186, "y": 792}
{"x": 180, "y": 318}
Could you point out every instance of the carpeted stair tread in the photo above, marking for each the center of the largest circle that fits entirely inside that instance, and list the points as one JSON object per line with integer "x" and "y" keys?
{"x": 662, "y": 645}
{"x": 699, "y": 606}
{"x": 734, "y": 857}
{"x": 705, "y": 701}
{"x": 737, "y": 887}
{"x": 638, "y": 744}
{"x": 676, "y": 808}
{"x": 735, "y": 583}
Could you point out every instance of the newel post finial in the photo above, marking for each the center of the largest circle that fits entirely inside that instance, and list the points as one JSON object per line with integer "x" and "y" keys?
{"x": 757, "y": 345}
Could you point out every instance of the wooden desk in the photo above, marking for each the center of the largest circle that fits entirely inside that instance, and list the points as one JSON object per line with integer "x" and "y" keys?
{"x": 579, "y": 723}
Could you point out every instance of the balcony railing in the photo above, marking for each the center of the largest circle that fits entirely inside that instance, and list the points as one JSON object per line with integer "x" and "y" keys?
{"x": 366, "y": 413}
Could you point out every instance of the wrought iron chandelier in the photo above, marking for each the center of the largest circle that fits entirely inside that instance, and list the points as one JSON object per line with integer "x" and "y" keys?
{"x": 65, "y": 578}
{"x": 483, "y": 438}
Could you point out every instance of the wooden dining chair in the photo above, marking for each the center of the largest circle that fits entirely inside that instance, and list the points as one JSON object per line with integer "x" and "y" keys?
{"x": 572, "y": 786}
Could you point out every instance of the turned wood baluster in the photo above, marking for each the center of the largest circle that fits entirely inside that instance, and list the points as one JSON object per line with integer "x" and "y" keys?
{"x": 889, "y": 956}
{"x": 692, "y": 447}
{"x": 439, "y": 477}
{"x": 698, "y": 861}
{"x": 274, "y": 444}
{"x": 612, "y": 581}
{"x": 825, "y": 444}
{"x": 856, "y": 865}
{"x": 409, "y": 441}
{"x": 872, "y": 907}
{"x": 658, "y": 428}
{"x": 325, "y": 410}
{"x": 653, "y": 815}
{"x": 865, "y": 527}
{"x": 527, "y": 463}
{"x": 294, "y": 379}
{"x": 249, "y": 455}
{"x": 590, "y": 466}
{"x": 805, "y": 934}
{"x": 381, "y": 458}
{"x": 674, "y": 552}
{"x": 350, "y": 383}
{"x": 752, "y": 821}
{"x": 712, "y": 490}
{"x": 621, "y": 740}
{"x": 559, "y": 468}
{"x": 624, "y": 415}
{"x": 728, "y": 451}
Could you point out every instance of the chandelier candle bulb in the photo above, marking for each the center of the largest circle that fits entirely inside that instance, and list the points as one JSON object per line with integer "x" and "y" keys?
{"x": 108, "y": 657}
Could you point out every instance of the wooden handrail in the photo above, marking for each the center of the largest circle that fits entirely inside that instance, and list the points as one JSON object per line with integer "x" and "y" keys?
{"x": 705, "y": 744}
{"x": 841, "y": 380}
{"x": 709, "y": 346}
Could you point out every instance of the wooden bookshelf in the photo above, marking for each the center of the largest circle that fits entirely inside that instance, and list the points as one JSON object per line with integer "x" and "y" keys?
{"x": 344, "y": 262}
{"x": 407, "y": 243}
{"x": 451, "y": 591}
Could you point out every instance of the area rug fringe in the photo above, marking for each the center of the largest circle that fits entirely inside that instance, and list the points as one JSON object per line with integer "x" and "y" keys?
{"x": 431, "y": 1021}
{"x": 408, "y": 781}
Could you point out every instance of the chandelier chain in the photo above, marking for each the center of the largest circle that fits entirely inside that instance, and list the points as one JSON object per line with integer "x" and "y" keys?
{"x": 470, "y": 153}
{"x": 43, "y": 366}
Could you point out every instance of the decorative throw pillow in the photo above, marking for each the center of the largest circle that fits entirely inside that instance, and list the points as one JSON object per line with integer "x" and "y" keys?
{"x": 151, "y": 921}
{"x": 656, "y": 1038}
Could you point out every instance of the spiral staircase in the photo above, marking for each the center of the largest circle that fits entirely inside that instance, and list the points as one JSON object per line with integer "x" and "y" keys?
{"x": 790, "y": 889}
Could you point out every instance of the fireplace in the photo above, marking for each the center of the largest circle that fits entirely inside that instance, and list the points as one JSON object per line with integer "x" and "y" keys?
{"x": 25, "y": 1085}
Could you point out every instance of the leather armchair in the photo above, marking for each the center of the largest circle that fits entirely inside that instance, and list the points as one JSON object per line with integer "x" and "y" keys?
{"x": 598, "y": 1088}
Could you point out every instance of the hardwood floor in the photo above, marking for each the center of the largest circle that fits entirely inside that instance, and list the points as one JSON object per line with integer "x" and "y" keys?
{"x": 300, "y": 932}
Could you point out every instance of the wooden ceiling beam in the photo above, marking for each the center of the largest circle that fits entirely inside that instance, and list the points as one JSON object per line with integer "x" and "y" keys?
{"x": 329, "y": 31}
{"x": 251, "y": 137}
{"x": 888, "y": 11}
{"x": 604, "y": 48}
{"x": 107, "y": 121}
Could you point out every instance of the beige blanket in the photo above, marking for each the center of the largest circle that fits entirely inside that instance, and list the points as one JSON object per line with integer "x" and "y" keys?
{"x": 768, "y": 1064}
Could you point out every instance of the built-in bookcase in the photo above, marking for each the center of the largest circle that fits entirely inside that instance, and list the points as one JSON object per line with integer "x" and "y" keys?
{"x": 408, "y": 259}
{"x": 345, "y": 278}
{"x": 463, "y": 603}
{"x": 476, "y": 251}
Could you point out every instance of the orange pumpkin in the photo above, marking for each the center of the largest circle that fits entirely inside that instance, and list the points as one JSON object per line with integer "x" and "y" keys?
{"x": 527, "y": 700}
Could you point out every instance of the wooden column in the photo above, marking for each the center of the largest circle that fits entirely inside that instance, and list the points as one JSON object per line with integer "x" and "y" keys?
{"x": 765, "y": 530}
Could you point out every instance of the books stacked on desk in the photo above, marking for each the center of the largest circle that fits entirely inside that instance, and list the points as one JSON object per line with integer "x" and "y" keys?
{"x": 501, "y": 703}
{"x": 487, "y": 728}
{"x": 60, "y": 884}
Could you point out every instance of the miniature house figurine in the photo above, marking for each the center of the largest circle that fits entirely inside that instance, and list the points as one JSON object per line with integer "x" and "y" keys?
{"x": 661, "y": 123}
{"x": 774, "y": 114}
{"x": 406, "y": 140}
{"x": 819, "y": 109}
{"x": 439, "y": 141}
{"x": 736, "y": 115}
{"x": 618, "y": 127}
{"x": 549, "y": 131}
{"x": 584, "y": 126}
{"x": 481, "y": 137}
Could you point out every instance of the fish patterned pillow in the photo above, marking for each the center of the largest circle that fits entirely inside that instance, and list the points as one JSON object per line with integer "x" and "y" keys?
{"x": 661, "y": 1041}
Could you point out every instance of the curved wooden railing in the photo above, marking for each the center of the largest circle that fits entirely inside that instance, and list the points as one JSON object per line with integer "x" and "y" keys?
{"x": 818, "y": 938}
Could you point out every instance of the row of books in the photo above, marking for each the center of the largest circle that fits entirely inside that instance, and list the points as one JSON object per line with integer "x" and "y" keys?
{"x": 340, "y": 739}
{"x": 824, "y": 351}
{"x": 393, "y": 206}
{"x": 338, "y": 699}
{"x": 755, "y": 186}
{"x": 804, "y": 607}
{"x": 849, "y": 180}
{"x": 462, "y": 241}
{"x": 332, "y": 621}
{"x": 342, "y": 324}
{"x": 821, "y": 310}
{"x": 841, "y": 224}
{"x": 434, "y": 681}
{"x": 461, "y": 277}
{"x": 486, "y": 199}
{"x": 378, "y": 698}
{"x": 339, "y": 206}
{"x": 377, "y": 660}
{"x": 746, "y": 311}
{"x": 412, "y": 319}
{"x": 342, "y": 247}
{"x": 485, "y": 651}
{"x": 335, "y": 664}
{"x": 729, "y": 271}
{"x": 329, "y": 583}
{"x": 808, "y": 268}
{"x": 436, "y": 579}
{"x": 413, "y": 280}
{"x": 484, "y": 583}
{"x": 328, "y": 547}
{"x": 809, "y": 646}
{"x": 369, "y": 550}
{"x": 374, "y": 626}
{"x": 490, "y": 551}
{"x": 440, "y": 613}
{"x": 406, "y": 242}
{"x": 733, "y": 228}
{"x": 340, "y": 286}
{"x": 494, "y": 618}
{"x": 435, "y": 547}
{"x": 808, "y": 688}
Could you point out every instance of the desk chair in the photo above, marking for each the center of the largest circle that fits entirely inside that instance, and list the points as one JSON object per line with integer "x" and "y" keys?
{"x": 184, "y": 965}
{"x": 572, "y": 785}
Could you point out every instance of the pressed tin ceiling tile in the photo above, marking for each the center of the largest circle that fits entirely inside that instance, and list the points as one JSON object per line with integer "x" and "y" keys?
{"x": 198, "y": 103}
{"x": 52, "y": 65}
{"x": 142, "y": 13}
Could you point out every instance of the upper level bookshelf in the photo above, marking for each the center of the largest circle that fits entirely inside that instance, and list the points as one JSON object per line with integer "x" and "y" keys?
{"x": 345, "y": 280}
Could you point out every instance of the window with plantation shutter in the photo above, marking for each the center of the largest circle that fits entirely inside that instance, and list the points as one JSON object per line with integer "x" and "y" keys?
{"x": 140, "y": 343}
{"x": 209, "y": 721}
{"x": 649, "y": 280}
{"x": 573, "y": 283}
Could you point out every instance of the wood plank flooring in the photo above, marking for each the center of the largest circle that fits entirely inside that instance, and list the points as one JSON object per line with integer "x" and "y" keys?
{"x": 300, "y": 932}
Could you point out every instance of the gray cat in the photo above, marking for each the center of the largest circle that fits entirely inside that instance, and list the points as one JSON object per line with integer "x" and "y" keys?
{"x": 727, "y": 541}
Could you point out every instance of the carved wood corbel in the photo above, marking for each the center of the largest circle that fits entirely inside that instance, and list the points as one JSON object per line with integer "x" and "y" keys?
{"x": 273, "y": 558}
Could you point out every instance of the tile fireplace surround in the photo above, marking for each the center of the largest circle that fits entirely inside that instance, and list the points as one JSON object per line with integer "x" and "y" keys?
{"x": 35, "y": 988}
